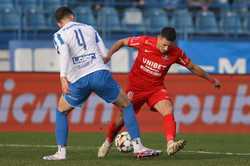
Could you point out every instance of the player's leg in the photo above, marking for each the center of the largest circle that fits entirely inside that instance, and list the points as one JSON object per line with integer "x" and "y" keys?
{"x": 66, "y": 104}
{"x": 61, "y": 130}
{"x": 111, "y": 92}
{"x": 113, "y": 129}
{"x": 116, "y": 125}
{"x": 161, "y": 102}
{"x": 130, "y": 120}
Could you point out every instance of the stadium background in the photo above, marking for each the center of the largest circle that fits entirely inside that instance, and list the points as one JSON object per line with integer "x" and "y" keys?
{"x": 214, "y": 33}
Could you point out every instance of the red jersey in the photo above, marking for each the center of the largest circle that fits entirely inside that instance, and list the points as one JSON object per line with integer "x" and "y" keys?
{"x": 151, "y": 66}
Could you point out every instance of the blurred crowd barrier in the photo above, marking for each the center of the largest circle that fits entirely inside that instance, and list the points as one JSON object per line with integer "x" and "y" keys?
{"x": 28, "y": 102}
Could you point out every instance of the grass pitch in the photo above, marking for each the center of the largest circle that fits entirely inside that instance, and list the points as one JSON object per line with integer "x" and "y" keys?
{"x": 26, "y": 149}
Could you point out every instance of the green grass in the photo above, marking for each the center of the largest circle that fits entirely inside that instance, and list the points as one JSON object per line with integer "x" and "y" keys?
{"x": 83, "y": 149}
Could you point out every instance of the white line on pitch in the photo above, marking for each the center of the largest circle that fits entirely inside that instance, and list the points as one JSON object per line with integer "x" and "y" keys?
{"x": 92, "y": 148}
{"x": 217, "y": 153}
{"x": 45, "y": 146}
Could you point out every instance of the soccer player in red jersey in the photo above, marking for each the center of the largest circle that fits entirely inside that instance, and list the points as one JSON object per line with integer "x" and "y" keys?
{"x": 145, "y": 82}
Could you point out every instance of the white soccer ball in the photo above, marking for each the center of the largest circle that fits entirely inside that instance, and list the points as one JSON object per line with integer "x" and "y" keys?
{"x": 123, "y": 142}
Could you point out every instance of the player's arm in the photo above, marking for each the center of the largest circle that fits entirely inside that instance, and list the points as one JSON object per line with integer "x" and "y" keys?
{"x": 63, "y": 52}
{"x": 64, "y": 61}
{"x": 100, "y": 45}
{"x": 115, "y": 47}
{"x": 185, "y": 61}
{"x": 203, "y": 74}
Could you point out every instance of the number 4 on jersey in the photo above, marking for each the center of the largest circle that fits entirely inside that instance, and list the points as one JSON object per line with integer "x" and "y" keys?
{"x": 80, "y": 38}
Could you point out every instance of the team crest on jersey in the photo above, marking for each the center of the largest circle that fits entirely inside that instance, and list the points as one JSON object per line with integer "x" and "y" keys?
{"x": 130, "y": 95}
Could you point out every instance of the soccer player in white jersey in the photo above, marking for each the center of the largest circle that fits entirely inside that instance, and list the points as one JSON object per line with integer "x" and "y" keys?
{"x": 82, "y": 71}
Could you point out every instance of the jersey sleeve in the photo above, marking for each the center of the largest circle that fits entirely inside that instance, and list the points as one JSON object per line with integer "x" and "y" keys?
{"x": 59, "y": 41}
{"x": 183, "y": 59}
{"x": 136, "y": 41}
{"x": 63, "y": 52}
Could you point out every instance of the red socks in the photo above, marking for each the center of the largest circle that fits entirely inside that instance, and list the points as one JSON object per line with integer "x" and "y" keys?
{"x": 113, "y": 130}
{"x": 169, "y": 127}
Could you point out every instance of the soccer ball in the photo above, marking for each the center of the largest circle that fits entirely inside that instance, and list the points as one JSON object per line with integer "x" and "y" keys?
{"x": 123, "y": 142}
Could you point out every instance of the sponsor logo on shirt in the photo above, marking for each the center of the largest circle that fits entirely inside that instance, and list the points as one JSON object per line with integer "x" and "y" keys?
{"x": 152, "y": 67}
{"x": 152, "y": 64}
{"x": 82, "y": 59}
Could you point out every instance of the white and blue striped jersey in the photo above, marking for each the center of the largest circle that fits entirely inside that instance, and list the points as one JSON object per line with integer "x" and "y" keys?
{"x": 80, "y": 49}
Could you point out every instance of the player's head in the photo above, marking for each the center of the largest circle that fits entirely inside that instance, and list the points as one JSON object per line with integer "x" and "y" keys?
{"x": 63, "y": 15}
{"x": 166, "y": 38}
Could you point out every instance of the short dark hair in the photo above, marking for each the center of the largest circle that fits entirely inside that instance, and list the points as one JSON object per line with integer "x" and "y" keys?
{"x": 169, "y": 33}
{"x": 62, "y": 12}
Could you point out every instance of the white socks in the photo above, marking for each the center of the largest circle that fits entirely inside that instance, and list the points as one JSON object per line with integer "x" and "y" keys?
{"x": 170, "y": 142}
{"x": 106, "y": 142}
{"x": 61, "y": 150}
{"x": 137, "y": 145}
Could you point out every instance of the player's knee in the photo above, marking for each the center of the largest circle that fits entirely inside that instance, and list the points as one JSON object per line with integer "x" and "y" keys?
{"x": 62, "y": 110}
{"x": 125, "y": 103}
{"x": 122, "y": 101}
{"x": 63, "y": 106}
{"x": 168, "y": 110}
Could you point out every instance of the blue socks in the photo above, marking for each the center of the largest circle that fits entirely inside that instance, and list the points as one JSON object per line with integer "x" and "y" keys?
{"x": 130, "y": 122}
{"x": 61, "y": 128}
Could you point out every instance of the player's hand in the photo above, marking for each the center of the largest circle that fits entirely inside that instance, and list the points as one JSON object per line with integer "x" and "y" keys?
{"x": 106, "y": 59}
{"x": 216, "y": 83}
{"x": 64, "y": 85}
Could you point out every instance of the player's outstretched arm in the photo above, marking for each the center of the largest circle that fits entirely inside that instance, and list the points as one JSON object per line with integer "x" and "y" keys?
{"x": 202, "y": 73}
{"x": 115, "y": 47}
